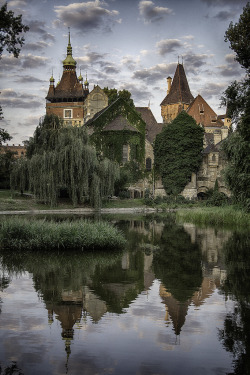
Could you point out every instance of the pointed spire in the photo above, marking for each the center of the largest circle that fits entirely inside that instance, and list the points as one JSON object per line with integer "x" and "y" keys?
{"x": 86, "y": 84}
{"x": 69, "y": 63}
{"x": 80, "y": 78}
{"x": 179, "y": 91}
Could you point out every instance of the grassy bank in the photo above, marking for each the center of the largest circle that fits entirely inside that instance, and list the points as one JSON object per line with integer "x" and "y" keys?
{"x": 220, "y": 216}
{"x": 25, "y": 234}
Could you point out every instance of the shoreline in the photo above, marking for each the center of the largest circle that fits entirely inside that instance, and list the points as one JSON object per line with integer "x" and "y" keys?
{"x": 87, "y": 211}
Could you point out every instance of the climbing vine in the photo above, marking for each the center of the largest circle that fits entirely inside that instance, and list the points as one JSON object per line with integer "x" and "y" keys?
{"x": 110, "y": 143}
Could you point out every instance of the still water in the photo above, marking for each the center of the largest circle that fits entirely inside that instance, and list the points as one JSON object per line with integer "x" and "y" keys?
{"x": 176, "y": 301}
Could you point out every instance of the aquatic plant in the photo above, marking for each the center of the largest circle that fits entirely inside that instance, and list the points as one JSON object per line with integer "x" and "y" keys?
{"x": 25, "y": 234}
{"x": 226, "y": 216}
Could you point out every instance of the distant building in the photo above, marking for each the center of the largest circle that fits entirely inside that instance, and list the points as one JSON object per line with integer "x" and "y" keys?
{"x": 18, "y": 150}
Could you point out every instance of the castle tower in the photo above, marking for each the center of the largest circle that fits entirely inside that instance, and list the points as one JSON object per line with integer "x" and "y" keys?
{"x": 178, "y": 96}
{"x": 67, "y": 98}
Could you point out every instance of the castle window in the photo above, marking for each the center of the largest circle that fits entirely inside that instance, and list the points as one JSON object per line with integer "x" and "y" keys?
{"x": 68, "y": 113}
{"x": 125, "y": 153}
{"x": 148, "y": 164}
{"x": 213, "y": 157}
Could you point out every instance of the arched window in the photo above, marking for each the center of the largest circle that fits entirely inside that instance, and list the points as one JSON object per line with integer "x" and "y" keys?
{"x": 148, "y": 164}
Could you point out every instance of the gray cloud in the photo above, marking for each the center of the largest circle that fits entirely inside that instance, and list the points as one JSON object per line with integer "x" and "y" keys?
{"x": 28, "y": 79}
{"x": 39, "y": 27}
{"x": 111, "y": 69}
{"x": 31, "y": 62}
{"x": 155, "y": 73}
{"x": 231, "y": 68}
{"x": 168, "y": 45}
{"x": 193, "y": 62}
{"x": 24, "y": 61}
{"x": 224, "y": 2}
{"x": 152, "y": 13}
{"x": 86, "y": 16}
{"x": 225, "y": 15}
{"x": 138, "y": 93}
{"x": 36, "y": 46}
{"x": 10, "y": 98}
{"x": 212, "y": 89}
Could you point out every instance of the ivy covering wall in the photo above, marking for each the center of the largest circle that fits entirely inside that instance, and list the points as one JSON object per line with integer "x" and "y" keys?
{"x": 110, "y": 143}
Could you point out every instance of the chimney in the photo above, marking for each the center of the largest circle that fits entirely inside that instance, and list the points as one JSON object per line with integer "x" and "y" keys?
{"x": 217, "y": 136}
{"x": 169, "y": 81}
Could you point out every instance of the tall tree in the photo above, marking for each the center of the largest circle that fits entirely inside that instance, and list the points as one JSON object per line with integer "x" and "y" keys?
{"x": 178, "y": 152}
{"x": 4, "y": 136}
{"x": 237, "y": 98}
{"x": 11, "y": 29}
{"x": 61, "y": 157}
{"x": 113, "y": 94}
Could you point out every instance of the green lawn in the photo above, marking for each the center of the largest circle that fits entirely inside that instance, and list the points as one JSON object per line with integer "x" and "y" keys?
{"x": 19, "y": 202}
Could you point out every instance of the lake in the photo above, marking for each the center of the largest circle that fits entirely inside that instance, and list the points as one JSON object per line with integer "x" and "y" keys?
{"x": 175, "y": 301}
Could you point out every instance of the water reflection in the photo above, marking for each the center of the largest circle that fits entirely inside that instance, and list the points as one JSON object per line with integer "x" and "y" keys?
{"x": 179, "y": 266}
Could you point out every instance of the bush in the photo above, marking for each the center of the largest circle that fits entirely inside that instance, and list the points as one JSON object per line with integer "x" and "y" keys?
{"x": 217, "y": 199}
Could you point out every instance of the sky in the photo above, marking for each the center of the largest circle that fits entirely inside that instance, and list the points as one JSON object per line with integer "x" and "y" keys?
{"x": 124, "y": 44}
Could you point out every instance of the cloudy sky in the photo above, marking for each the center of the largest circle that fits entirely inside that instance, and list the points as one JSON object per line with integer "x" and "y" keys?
{"x": 126, "y": 44}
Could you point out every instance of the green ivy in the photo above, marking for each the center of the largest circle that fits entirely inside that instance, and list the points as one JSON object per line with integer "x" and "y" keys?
{"x": 110, "y": 143}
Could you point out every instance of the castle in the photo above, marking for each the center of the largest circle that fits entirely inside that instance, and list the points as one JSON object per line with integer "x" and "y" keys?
{"x": 125, "y": 134}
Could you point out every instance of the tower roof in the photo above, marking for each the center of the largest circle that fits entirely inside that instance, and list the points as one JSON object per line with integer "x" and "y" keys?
{"x": 69, "y": 61}
{"x": 179, "y": 91}
{"x": 70, "y": 87}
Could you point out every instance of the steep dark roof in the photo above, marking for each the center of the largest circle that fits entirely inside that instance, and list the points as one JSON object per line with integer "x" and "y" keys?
{"x": 179, "y": 91}
{"x": 211, "y": 148}
{"x": 120, "y": 123}
{"x": 152, "y": 127}
{"x": 68, "y": 88}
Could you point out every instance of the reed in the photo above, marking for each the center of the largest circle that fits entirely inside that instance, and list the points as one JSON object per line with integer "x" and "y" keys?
{"x": 220, "y": 216}
{"x": 25, "y": 234}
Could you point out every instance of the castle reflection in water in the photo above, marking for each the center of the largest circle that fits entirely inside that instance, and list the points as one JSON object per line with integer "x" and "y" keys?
{"x": 85, "y": 288}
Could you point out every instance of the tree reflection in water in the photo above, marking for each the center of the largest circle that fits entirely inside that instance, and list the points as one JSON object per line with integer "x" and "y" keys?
{"x": 236, "y": 333}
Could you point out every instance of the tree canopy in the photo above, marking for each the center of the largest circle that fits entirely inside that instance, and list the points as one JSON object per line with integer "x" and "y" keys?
{"x": 178, "y": 152}
{"x": 11, "y": 29}
{"x": 4, "y": 136}
{"x": 113, "y": 94}
{"x": 62, "y": 158}
{"x": 238, "y": 35}
{"x": 237, "y": 97}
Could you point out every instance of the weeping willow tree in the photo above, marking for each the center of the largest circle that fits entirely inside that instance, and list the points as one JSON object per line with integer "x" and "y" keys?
{"x": 61, "y": 158}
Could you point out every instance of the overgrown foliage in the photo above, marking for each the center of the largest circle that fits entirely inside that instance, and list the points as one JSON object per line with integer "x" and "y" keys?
{"x": 62, "y": 158}
{"x": 237, "y": 97}
{"x": 178, "y": 152}
{"x": 110, "y": 143}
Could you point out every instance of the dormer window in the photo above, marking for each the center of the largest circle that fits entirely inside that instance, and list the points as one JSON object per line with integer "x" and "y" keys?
{"x": 201, "y": 109}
